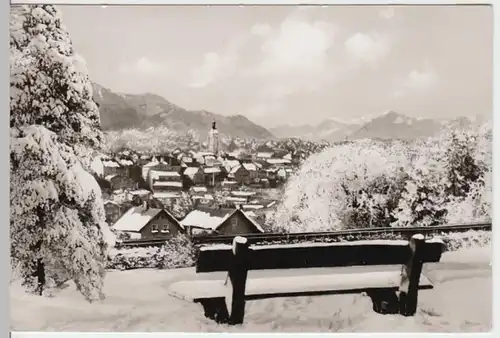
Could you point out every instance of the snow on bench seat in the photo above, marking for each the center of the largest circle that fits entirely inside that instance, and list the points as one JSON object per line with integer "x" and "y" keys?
{"x": 291, "y": 286}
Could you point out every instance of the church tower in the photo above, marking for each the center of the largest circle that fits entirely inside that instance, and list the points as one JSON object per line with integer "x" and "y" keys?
{"x": 213, "y": 140}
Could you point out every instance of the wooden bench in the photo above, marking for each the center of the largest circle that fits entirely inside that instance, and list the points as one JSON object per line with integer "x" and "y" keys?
{"x": 391, "y": 291}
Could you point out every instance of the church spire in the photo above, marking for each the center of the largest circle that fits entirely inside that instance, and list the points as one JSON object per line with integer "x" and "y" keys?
{"x": 213, "y": 139}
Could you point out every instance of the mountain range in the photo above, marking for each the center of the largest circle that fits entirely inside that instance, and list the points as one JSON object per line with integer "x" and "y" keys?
{"x": 142, "y": 111}
{"x": 388, "y": 125}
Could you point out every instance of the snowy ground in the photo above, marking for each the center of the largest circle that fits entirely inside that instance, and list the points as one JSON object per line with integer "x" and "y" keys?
{"x": 138, "y": 301}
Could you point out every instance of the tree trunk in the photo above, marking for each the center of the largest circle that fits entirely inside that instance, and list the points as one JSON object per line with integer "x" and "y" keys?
{"x": 39, "y": 272}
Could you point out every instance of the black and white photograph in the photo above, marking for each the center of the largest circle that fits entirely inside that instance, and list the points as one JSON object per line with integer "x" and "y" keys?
{"x": 251, "y": 168}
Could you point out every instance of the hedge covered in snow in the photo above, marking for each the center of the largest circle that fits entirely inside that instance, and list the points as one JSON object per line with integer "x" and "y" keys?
{"x": 178, "y": 252}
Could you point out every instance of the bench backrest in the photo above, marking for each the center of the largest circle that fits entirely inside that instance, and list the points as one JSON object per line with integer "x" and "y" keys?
{"x": 315, "y": 255}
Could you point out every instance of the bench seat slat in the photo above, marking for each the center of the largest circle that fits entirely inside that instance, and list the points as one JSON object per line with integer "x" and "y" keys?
{"x": 290, "y": 286}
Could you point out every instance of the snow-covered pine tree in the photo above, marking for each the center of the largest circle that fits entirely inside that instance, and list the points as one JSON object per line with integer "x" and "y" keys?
{"x": 49, "y": 83}
{"x": 57, "y": 218}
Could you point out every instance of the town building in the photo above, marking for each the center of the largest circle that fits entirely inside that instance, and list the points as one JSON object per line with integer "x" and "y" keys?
{"x": 143, "y": 222}
{"x": 194, "y": 175}
{"x": 224, "y": 221}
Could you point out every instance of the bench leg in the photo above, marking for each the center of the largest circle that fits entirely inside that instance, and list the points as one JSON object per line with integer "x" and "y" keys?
{"x": 384, "y": 301}
{"x": 216, "y": 309}
{"x": 410, "y": 278}
{"x": 238, "y": 277}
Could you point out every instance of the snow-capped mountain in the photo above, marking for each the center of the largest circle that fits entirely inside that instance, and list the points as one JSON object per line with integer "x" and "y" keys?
{"x": 387, "y": 125}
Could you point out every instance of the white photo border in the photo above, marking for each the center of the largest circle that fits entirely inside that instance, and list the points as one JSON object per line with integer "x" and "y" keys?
{"x": 4, "y": 300}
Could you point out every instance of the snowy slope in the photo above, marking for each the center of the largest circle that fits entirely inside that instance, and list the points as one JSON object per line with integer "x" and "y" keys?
{"x": 138, "y": 301}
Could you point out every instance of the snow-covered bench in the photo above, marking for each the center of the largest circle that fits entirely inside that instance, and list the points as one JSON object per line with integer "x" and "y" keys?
{"x": 391, "y": 290}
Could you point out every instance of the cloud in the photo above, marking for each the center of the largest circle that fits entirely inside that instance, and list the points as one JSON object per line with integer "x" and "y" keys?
{"x": 263, "y": 109}
{"x": 417, "y": 81}
{"x": 261, "y": 29}
{"x": 369, "y": 48}
{"x": 297, "y": 45}
{"x": 208, "y": 71}
{"x": 421, "y": 79}
{"x": 387, "y": 13}
{"x": 218, "y": 65}
{"x": 143, "y": 65}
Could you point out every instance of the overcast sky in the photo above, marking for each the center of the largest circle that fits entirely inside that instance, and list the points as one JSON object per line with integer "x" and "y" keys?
{"x": 294, "y": 65}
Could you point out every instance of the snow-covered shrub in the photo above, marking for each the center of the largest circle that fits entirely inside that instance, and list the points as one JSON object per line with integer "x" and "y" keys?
{"x": 57, "y": 221}
{"x": 476, "y": 206}
{"x": 467, "y": 240}
{"x": 462, "y": 165}
{"x": 132, "y": 258}
{"x": 353, "y": 185}
{"x": 448, "y": 180}
{"x": 445, "y": 179}
{"x": 423, "y": 200}
{"x": 177, "y": 252}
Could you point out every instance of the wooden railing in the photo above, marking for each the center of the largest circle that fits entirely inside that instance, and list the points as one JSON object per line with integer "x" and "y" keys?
{"x": 331, "y": 236}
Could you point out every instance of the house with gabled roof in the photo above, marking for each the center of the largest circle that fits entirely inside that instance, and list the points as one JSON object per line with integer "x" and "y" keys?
{"x": 120, "y": 182}
{"x": 143, "y": 222}
{"x": 228, "y": 221}
{"x": 240, "y": 174}
{"x": 252, "y": 170}
{"x": 111, "y": 167}
{"x": 194, "y": 175}
{"x": 212, "y": 175}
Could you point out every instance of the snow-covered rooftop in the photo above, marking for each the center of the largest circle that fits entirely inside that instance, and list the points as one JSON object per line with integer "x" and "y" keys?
{"x": 206, "y": 219}
{"x": 110, "y": 164}
{"x": 166, "y": 194}
{"x": 277, "y": 161}
{"x": 243, "y": 193}
{"x": 265, "y": 155}
{"x": 167, "y": 184}
{"x": 206, "y": 197}
{"x": 153, "y": 162}
{"x": 204, "y": 153}
{"x": 211, "y": 170}
{"x": 139, "y": 192}
{"x": 135, "y": 219}
{"x": 236, "y": 199}
{"x": 252, "y": 206}
{"x": 110, "y": 177}
{"x": 157, "y": 173}
{"x": 126, "y": 163}
{"x": 232, "y": 163}
{"x": 249, "y": 166}
{"x": 191, "y": 171}
{"x": 271, "y": 204}
{"x": 235, "y": 169}
{"x": 199, "y": 189}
